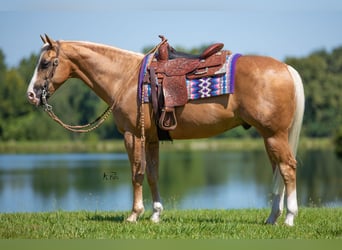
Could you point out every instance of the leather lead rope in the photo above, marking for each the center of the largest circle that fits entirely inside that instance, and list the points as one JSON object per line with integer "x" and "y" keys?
{"x": 142, "y": 139}
{"x": 142, "y": 115}
{"x": 76, "y": 128}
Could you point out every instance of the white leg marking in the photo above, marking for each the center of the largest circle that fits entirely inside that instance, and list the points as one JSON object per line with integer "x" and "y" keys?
{"x": 157, "y": 210}
{"x": 292, "y": 208}
{"x": 135, "y": 214}
{"x": 278, "y": 197}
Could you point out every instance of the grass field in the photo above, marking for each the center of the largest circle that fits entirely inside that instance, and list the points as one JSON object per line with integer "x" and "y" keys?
{"x": 311, "y": 223}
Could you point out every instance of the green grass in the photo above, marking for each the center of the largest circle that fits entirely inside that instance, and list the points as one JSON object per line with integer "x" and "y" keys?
{"x": 311, "y": 223}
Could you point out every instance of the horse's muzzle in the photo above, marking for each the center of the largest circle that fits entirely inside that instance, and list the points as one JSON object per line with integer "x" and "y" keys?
{"x": 33, "y": 99}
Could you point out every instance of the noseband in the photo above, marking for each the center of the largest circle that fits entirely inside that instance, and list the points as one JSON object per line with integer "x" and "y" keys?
{"x": 48, "y": 108}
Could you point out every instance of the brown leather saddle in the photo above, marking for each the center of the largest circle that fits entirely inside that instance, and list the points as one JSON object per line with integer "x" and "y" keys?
{"x": 168, "y": 72}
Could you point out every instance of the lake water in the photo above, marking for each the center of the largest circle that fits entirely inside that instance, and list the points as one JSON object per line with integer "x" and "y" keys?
{"x": 188, "y": 180}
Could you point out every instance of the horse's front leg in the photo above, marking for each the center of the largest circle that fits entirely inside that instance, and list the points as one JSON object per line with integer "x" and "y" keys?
{"x": 152, "y": 163}
{"x": 133, "y": 148}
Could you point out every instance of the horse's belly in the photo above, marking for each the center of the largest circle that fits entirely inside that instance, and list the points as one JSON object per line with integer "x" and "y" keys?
{"x": 201, "y": 120}
{"x": 190, "y": 132}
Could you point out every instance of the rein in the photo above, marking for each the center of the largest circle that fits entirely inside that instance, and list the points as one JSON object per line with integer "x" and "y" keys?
{"x": 76, "y": 128}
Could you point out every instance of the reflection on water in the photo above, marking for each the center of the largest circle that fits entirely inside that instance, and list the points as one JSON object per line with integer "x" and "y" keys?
{"x": 188, "y": 180}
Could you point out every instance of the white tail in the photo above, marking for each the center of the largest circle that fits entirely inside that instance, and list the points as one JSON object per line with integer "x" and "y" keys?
{"x": 298, "y": 116}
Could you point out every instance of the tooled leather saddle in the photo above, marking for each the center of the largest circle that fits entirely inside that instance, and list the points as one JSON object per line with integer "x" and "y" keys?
{"x": 167, "y": 74}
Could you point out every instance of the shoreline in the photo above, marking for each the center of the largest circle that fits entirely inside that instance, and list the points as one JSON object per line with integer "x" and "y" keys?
{"x": 117, "y": 146}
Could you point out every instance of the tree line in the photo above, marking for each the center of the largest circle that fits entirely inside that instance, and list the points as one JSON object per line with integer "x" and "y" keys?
{"x": 321, "y": 72}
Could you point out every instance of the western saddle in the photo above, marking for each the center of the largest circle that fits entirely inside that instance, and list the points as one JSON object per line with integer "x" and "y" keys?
{"x": 167, "y": 74}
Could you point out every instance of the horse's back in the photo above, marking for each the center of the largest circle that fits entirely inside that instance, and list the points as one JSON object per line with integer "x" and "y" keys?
{"x": 262, "y": 67}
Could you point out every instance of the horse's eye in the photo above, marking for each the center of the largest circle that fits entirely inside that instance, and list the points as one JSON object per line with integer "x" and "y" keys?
{"x": 44, "y": 64}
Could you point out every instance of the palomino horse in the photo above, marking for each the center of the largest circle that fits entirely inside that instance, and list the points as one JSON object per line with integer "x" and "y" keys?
{"x": 268, "y": 95}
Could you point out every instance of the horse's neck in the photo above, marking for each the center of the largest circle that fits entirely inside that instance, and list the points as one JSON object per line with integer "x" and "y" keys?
{"x": 107, "y": 70}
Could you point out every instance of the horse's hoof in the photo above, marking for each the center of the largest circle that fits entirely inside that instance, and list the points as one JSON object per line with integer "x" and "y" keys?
{"x": 132, "y": 218}
{"x": 268, "y": 222}
{"x": 155, "y": 218}
{"x": 289, "y": 221}
{"x": 271, "y": 221}
{"x": 157, "y": 210}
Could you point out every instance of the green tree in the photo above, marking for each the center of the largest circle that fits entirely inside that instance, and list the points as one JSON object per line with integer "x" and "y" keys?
{"x": 338, "y": 142}
{"x": 2, "y": 83}
{"x": 322, "y": 77}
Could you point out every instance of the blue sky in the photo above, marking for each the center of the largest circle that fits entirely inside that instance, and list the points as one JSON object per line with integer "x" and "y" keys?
{"x": 267, "y": 27}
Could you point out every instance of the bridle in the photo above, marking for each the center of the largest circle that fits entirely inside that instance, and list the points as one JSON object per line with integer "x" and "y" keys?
{"x": 48, "y": 108}
{"x": 48, "y": 79}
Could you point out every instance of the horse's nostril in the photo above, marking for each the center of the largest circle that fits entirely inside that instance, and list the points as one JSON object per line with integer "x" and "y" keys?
{"x": 31, "y": 95}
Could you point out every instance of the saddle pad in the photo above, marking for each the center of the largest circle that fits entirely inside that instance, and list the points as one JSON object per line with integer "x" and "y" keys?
{"x": 214, "y": 85}
{"x": 206, "y": 87}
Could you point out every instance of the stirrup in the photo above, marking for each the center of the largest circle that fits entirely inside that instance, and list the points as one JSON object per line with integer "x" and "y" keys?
{"x": 167, "y": 120}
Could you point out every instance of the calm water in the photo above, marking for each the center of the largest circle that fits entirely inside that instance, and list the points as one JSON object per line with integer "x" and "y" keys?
{"x": 188, "y": 180}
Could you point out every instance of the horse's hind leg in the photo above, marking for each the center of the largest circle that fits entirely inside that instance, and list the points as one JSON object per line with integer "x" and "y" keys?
{"x": 152, "y": 164}
{"x": 285, "y": 166}
{"x": 278, "y": 196}
{"x": 133, "y": 148}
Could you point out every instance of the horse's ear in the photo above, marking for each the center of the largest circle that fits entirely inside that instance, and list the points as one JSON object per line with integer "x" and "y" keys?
{"x": 43, "y": 39}
{"x": 49, "y": 40}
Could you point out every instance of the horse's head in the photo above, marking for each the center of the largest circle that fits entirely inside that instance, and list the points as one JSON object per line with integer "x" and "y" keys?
{"x": 50, "y": 72}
